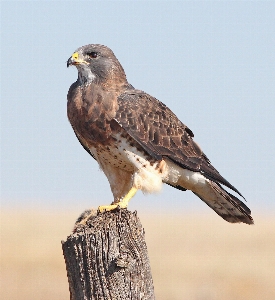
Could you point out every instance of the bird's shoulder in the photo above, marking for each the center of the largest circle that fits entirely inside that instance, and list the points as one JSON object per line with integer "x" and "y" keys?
{"x": 157, "y": 128}
{"x": 135, "y": 102}
{"x": 160, "y": 132}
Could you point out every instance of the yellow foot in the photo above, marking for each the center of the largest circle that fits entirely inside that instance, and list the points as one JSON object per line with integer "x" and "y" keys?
{"x": 110, "y": 207}
{"x": 122, "y": 204}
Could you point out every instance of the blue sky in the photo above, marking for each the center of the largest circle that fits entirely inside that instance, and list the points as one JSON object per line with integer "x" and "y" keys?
{"x": 211, "y": 62}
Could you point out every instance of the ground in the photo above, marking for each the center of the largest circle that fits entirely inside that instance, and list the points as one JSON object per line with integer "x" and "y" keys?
{"x": 194, "y": 257}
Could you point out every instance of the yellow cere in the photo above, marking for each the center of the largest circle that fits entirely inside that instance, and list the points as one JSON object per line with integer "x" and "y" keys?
{"x": 75, "y": 55}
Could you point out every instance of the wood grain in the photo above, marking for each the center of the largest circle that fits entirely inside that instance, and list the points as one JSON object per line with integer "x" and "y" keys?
{"x": 107, "y": 258}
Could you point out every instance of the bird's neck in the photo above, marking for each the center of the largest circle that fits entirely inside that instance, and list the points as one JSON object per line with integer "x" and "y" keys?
{"x": 107, "y": 84}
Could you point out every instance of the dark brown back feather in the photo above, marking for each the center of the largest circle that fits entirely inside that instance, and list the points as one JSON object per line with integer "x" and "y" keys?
{"x": 158, "y": 130}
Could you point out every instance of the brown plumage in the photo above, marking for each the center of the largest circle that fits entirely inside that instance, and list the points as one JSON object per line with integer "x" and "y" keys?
{"x": 137, "y": 140}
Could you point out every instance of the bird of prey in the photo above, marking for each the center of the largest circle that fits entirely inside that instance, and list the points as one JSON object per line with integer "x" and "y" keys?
{"x": 138, "y": 142}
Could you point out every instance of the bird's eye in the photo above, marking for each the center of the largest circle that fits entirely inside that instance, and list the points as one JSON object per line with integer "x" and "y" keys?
{"x": 92, "y": 54}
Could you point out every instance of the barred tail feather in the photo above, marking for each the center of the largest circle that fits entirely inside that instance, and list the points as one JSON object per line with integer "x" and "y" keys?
{"x": 226, "y": 205}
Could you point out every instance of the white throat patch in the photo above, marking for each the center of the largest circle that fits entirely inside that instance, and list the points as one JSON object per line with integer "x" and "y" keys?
{"x": 85, "y": 74}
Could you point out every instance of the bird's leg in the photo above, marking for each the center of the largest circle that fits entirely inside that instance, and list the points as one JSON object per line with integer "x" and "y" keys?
{"x": 127, "y": 198}
{"x": 123, "y": 203}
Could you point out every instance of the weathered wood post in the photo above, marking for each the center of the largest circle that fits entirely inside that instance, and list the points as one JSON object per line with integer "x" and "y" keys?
{"x": 107, "y": 258}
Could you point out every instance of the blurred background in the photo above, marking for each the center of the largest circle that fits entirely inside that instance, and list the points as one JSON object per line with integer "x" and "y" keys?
{"x": 212, "y": 63}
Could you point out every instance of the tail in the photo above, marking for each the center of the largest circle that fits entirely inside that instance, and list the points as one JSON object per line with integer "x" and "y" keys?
{"x": 226, "y": 205}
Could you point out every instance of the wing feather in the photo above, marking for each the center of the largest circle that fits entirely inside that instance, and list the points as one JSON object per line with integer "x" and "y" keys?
{"x": 158, "y": 130}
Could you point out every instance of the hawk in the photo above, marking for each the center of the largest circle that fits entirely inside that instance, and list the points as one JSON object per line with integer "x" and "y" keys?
{"x": 138, "y": 142}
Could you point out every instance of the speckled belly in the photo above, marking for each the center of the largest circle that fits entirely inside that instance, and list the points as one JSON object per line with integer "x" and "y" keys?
{"x": 124, "y": 154}
{"x": 148, "y": 173}
{"x": 113, "y": 156}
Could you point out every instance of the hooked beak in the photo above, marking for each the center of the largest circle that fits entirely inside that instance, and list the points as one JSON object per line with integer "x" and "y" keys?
{"x": 74, "y": 60}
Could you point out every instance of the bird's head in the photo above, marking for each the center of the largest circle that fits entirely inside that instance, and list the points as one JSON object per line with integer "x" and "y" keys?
{"x": 98, "y": 64}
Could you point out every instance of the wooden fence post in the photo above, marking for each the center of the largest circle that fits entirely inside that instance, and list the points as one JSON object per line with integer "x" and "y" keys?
{"x": 107, "y": 258}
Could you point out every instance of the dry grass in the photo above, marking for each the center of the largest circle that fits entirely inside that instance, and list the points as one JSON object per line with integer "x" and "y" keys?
{"x": 192, "y": 256}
